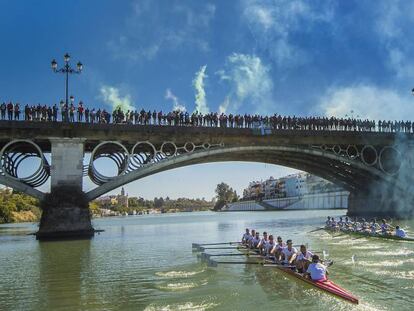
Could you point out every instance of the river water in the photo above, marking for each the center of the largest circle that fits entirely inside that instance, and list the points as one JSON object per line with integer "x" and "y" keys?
{"x": 147, "y": 263}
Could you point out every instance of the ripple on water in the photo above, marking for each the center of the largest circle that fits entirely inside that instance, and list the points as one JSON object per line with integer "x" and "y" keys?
{"x": 180, "y": 286}
{"x": 394, "y": 263}
{"x": 182, "y": 307}
{"x": 401, "y": 252}
{"x": 178, "y": 274}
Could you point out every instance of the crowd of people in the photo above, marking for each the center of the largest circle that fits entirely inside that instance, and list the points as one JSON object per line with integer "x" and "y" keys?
{"x": 81, "y": 113}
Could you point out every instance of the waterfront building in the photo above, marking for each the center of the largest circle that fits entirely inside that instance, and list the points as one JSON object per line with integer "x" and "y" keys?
{"x": 288, "y": 186}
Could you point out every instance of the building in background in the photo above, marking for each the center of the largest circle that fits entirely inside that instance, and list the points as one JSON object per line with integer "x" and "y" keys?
{"x": 289, "y": 186}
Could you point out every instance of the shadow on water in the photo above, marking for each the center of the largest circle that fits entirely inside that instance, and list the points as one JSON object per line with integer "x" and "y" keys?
{"x": 62, "y": 268}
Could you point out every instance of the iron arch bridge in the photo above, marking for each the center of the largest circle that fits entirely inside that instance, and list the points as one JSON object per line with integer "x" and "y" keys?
{"x": 354, "y": 167}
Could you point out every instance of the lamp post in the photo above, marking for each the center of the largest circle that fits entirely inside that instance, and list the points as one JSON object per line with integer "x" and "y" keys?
{"x": 66, "y": 69}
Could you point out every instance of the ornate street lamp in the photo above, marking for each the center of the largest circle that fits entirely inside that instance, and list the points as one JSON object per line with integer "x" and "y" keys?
{"x": 412, "y": 91}
{"x": 66, "y": 69}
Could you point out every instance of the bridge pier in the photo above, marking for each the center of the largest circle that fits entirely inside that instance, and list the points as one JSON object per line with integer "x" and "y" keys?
{"x": 377, "y": 204}
{"x": 65, "y": 210}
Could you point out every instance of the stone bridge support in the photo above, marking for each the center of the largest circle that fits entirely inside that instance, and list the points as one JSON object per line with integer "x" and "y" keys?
{"x": 65, "y": 208}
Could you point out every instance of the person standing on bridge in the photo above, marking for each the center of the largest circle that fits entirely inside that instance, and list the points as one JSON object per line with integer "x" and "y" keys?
{"x": 10, "y": 111}
{"x": 80, "y": 111}
{"x": 17, "y": 111}
{"x": 3, "y": 108}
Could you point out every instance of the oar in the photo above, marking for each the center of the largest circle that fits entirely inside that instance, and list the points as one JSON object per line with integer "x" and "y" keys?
{"x": 214, "y": 263}
{"x": 197, "y": 245}
{"x": 317, "y": 229}
{"x": 207, "y": 248}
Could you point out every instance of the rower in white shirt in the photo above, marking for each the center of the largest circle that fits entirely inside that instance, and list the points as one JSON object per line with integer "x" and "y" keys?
{"x": 289, "y": 253}
{"x": 328, "y": 222}
{"x": 400, "y": 232}
{"x": 316, "y": 270}
{"x": 246, "y": 236}
{"x": 269, "y": 247}
{"x": 263, "y": 242}
{"x": 278, "y": 248}
{"x": 374, "y": 227}
{"x": 303, "y": 259}
{"x": 341, "y": 223}
{"x": 250, "y": 238}
{"x": 356, "y": 226}
{"x": 385, "y": 227}
{"x": 255, "y": 241}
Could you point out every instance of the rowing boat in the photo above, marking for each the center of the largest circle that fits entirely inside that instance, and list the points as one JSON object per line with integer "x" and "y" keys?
{"x": 368, "y": 234}
{"x": 326, "y": 286}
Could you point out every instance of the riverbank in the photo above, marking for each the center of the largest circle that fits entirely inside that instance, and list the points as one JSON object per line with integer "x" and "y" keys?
{"x": 18, "y": 207}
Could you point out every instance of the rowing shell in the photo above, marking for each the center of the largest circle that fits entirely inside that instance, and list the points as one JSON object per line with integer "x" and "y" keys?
{"x": 326, "y": 286}
{"x": 369, "y": 235}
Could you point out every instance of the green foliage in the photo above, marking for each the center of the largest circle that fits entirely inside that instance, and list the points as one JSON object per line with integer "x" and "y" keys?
{"x": 11, "y": 202}
{"x": 224, "y": 194}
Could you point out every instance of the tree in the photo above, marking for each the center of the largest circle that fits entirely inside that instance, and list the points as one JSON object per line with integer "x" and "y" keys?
{"x": 224, "y": 194}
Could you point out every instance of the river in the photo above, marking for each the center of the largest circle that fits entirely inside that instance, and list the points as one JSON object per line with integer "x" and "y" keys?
{"x": 146, "y": 263}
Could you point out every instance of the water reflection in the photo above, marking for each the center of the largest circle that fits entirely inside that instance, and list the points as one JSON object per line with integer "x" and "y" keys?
{"x": 64, "y": 266}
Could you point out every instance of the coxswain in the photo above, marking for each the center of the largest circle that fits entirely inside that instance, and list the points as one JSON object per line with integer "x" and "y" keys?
{"x": 246, "y": 236}
{"x": 289, "y": 253}
{"x": 400, "y": 232}
{"x": 328, "y": 222}
{"x": 303, "y": 259}
{"x": 316, "y": 270}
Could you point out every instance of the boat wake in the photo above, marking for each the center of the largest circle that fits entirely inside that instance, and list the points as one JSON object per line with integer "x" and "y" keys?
{"x": 178, "y": 274}
{"x": 182, "y": 307}
{"x": 180, "y": 286}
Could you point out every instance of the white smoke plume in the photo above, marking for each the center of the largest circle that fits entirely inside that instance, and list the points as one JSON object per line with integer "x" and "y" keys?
{"x": 177, "y": 106}
{"x": 224, "y": 105}
{"x": 250, "y": 84}
{"x": 200, "y": 94}
{"x": 112, "y": 97}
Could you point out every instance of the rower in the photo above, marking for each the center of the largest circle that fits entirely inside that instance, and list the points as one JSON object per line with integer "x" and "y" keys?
{"x": 255, "y": 241}
{"x": 277, "y": 249}
{"x": 374, "y": 227}
{"x": 249, "y": 241}
{"x": 303, "y": 259}
{"x": 400, "y": 232}
{"x": 328, "y": 222}
{"x": 341, "y": 223}
{"x": 364, "y": 226}
{"x": 269, "y": 247}
{"x": 289, "y": 253}
{"x": 246, "y": 236}
{"x": 263, "y": 242}
{"x": 356, "y": 225}
{"x": 316, "y": 270}
{"x": 333, "y": 223}
{"x": 385, "y": 228}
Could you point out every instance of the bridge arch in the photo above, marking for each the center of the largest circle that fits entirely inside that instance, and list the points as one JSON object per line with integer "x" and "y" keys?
{"x": 347, "y": 172}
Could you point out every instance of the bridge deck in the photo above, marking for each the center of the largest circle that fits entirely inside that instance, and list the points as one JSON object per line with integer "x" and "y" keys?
{"x": 129, "y": 134}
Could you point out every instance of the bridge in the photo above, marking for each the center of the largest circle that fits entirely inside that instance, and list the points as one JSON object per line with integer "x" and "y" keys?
{"x": 376, "y": 168}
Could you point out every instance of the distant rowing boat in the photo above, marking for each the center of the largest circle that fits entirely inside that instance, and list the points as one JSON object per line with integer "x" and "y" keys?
{"x": 326, "y": 286}
{"x": 367, "y": 234}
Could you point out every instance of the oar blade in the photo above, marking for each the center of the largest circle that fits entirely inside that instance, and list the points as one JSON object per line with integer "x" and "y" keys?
{"x": 212, "y": 263}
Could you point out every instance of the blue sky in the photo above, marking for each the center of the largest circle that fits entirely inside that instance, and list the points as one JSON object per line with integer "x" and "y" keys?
{"x": 291, "y": 57}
